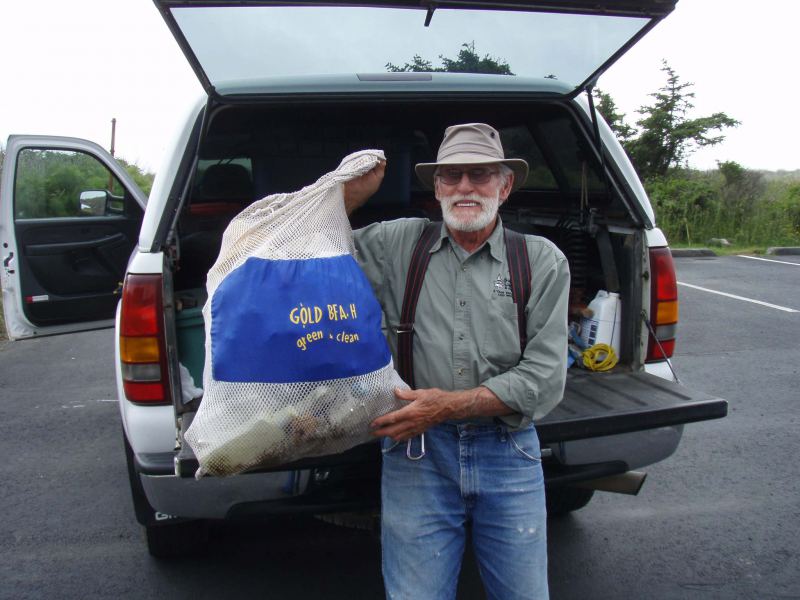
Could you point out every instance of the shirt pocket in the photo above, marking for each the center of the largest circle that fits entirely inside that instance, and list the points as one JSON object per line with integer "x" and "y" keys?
{"x": 500, "y": 345}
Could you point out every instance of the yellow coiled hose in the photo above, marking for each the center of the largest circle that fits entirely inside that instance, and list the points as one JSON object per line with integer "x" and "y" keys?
{"x": 600, "y": 357}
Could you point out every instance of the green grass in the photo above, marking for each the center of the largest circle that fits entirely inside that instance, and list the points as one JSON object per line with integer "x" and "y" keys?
{"x": 760, "y": 229}
{"x": 726, "y": 250}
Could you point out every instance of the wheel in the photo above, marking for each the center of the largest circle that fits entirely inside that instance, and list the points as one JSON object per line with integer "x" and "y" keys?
{"x": 176, "y": 540}
{"x": 563, "y": 500}
{"x": 366, "y": 520}
{"x": 164, "y": 539}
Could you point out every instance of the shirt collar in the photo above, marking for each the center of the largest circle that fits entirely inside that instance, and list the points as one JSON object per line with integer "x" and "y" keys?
{"x": 495, "y": 241}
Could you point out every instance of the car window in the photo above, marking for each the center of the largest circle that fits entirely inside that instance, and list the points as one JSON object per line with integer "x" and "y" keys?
{"x": 519, "y": 143}
{"x": 59, "y": 183}
{"x": 256, "y": 41}
{"x": 571, "y": 154}
{"x": 223, "y": 180}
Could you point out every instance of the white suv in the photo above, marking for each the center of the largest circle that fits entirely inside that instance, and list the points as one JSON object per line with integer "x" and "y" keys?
{"x": 77, "y": 234}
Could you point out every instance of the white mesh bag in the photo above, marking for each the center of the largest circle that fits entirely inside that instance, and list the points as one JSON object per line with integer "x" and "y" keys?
{"x": 296, "y": 363}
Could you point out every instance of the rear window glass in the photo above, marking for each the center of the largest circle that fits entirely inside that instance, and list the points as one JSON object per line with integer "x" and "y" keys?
{"x": 571, "y": 155}
{"x": 285, "y": 150}
{"x": 519, "y": 143}
{"x": 223, "y": 180}
{"x": 250, "y": 42}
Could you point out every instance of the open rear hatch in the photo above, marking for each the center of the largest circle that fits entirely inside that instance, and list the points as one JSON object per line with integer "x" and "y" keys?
{"x": 571, "y": 41}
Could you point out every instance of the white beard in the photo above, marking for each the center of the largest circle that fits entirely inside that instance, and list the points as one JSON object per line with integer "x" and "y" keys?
{"x": 467, "y": 223}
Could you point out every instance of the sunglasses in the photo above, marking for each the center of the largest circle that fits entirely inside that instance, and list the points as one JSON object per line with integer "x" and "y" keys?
{"x": 476, "y": 175}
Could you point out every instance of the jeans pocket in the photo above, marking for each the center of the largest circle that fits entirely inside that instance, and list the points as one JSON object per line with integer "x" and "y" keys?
{"x": 526, "y": 443}
{"x": 388, "y": 444}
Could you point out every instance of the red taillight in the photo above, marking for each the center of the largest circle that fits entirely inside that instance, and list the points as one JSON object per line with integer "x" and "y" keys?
{"x": 142, "y": 349}
{"x": 141, "y": 305}
{"x": 663, "y": 305}
{"x": 144, "y": 393}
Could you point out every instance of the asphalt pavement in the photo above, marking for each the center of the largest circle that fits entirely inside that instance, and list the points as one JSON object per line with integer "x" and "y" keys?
{"x": 719, "y": 519}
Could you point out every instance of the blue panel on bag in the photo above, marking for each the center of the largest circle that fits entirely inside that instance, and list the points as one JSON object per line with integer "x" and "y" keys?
{"x": 285, "y": 321}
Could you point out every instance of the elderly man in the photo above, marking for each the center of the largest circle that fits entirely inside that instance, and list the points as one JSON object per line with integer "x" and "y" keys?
{"x": 464, "y": 450}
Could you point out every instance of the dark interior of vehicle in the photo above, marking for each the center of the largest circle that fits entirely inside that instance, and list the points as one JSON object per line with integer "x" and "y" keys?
{"x": 250, "y": 152}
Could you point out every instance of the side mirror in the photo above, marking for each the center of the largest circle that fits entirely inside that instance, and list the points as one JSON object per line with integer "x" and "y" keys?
{"x": 94, "y": 202}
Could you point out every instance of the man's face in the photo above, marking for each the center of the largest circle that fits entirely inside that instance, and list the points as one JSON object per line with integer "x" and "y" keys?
{"x": 470, "y": 195}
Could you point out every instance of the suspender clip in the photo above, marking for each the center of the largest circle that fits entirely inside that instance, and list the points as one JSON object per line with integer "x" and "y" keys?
{"x": 404, "y": 328}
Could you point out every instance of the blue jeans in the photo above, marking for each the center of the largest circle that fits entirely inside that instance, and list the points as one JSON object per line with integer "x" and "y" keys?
{"x": 479, "y": 474}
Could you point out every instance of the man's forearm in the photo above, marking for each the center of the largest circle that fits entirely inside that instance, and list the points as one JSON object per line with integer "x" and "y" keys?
{"x": 477, "y": 402}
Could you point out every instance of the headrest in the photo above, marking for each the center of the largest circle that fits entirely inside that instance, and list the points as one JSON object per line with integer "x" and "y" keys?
{"x": 229, "y": 182}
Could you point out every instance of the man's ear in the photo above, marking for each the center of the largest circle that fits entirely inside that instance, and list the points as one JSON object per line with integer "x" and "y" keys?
{"x": 505, "y": 191}
{"x": 436, "y": 189}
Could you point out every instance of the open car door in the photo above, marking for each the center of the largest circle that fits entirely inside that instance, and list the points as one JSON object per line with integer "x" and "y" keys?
{"x": 69, "y": 219}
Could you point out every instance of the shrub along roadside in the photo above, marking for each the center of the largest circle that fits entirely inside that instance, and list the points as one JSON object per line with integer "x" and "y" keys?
{"x": 750, "y": 209}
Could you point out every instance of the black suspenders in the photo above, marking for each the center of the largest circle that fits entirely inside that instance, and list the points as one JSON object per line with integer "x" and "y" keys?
{"x": 519, "y": 270}
{"x": 416, "y": 274}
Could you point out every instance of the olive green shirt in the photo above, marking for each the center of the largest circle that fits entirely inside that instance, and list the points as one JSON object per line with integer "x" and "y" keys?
{"x": 465, "y": 330}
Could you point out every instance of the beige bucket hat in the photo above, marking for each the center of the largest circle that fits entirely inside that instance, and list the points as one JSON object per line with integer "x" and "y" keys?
{"x": 472, "y": 144}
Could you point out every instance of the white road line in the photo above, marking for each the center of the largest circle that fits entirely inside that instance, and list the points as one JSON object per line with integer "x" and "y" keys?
{"x": 782, "y": 262}
{"x": 735, "y": 297}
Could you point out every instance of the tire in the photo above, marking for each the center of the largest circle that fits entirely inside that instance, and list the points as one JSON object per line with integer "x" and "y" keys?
{"x": 164, "y": 540}
{"x": 563, "y": 500}
{"x": 365, "y": 520}
{"x": 177, "y": 540}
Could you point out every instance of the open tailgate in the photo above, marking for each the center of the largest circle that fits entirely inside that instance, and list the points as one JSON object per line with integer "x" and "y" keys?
{"x": 597, "y": 404}
{"x": 594, "y": 405}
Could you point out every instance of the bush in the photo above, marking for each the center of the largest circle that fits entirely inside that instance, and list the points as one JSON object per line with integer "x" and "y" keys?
{"x": 731, "y": 202}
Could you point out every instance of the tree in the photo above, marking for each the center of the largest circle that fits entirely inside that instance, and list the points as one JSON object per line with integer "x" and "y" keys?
{"x": 144, "y": 179}
{"x": 666, "y": 135}
{"x": 468, "y": 61}
{"x": 740, "y": 191}
{"x": 417, "y": 65}
{"x": 606, "y": 106}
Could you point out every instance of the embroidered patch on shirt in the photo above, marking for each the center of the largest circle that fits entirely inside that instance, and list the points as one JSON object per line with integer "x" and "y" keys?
{"x": 502, "y": 286}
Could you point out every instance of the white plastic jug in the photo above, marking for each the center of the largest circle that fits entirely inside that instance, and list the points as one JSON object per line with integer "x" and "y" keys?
{"x": 604, "y": 327}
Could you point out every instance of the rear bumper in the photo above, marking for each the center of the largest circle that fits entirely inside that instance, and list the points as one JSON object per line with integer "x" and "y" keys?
{"x": 608, "y": 423}
{"x": 333, "y": 486}
{"x": 270, "y": 494}
{"x": 345, "y": 482}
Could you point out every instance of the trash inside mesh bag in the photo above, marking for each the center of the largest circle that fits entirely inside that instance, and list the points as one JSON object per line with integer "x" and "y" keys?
{"x": 296, "y": 363}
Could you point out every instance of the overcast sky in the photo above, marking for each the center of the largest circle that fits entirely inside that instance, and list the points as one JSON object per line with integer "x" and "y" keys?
{"x": 71, "y": 66}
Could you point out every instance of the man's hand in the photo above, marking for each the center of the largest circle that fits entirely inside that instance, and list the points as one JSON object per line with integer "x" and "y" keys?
{"x": 358, "y": 191}
{"x": 426, "y": 408}
{"x": 432, "y": 406}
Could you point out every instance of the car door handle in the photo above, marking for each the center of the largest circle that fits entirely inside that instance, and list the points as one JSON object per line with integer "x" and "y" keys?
{"x": 7, "y": 261}
{"x": 60, "y": 248}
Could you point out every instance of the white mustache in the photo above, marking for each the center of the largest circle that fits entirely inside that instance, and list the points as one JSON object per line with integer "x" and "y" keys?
{"x": 456, "y": 198}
